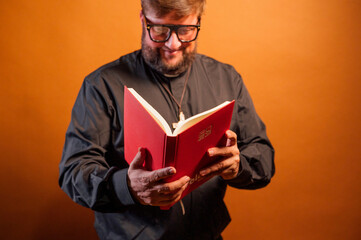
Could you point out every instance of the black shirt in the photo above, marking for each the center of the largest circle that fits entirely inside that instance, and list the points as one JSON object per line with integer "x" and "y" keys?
{"x": 93, "y": 170}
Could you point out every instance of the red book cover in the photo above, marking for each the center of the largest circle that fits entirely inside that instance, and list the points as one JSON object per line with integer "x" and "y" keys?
{"x": 185, "y": 148}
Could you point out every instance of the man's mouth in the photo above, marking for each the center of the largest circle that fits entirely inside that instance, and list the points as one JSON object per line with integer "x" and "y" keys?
{"x": 172, "y": 53}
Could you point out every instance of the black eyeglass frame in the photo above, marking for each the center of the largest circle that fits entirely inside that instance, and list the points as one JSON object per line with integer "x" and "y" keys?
{"x": 173, "y": 28}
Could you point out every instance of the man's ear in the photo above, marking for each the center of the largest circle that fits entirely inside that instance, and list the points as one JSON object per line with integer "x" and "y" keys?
{"x": 141, "y": 16}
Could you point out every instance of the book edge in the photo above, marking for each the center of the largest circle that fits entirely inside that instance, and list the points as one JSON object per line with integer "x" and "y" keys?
{"x": 154, "y": 113}
{"x": 189, "y": 122}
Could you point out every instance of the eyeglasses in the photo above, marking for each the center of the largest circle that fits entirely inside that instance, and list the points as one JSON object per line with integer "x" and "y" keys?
{"x": 161, "y": 32}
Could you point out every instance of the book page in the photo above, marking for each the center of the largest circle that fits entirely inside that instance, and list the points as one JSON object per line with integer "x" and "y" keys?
{"x": 156, "y": 116}
{"x": 189, "y": 122}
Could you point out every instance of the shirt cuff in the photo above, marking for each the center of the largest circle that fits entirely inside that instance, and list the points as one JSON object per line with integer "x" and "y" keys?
{"x": 121, "y": 189}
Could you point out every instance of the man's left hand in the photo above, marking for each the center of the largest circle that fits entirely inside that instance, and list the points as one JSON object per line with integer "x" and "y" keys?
{"x": 227, "y": 167}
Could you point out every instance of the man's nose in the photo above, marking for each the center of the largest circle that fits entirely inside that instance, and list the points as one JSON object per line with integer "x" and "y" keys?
{"x": 173, "y": 42}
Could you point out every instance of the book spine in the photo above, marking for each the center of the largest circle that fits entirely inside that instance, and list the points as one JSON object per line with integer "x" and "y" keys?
{"x": 170, "y": 150}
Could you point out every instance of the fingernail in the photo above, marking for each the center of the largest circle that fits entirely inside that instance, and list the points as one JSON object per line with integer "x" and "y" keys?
{"x": 171, "y": 171}
{"x": 210, "y": 152}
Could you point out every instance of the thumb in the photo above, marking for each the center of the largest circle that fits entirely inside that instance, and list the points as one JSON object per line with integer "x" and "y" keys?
{"x": 139, "y": 159}
{"x": 231, "y": 138}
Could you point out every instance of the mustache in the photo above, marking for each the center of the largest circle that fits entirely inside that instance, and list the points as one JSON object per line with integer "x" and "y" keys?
{"x": 181, "y": 48}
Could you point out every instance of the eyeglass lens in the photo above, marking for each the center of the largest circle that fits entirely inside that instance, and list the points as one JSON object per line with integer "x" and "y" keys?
{"x": 161, "y": 33}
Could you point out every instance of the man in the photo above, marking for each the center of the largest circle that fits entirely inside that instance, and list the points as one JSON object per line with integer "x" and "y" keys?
{"x": 169, "y": 74}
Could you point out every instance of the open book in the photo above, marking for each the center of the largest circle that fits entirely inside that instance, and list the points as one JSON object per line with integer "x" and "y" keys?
{"x": 185, "y": 148}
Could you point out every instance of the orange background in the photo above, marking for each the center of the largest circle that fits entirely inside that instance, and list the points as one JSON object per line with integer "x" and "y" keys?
{"x": 299, "y": 59}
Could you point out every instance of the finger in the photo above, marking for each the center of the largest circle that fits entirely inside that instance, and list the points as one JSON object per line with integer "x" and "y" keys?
{"x": 232, "y": 171}
{"x": 159, "y": 174}
{"x": 172, "y": 198}
{"x": 174, "y": 186}
{"x": 171, "y": 201}
{"x": 139, "y": 159}
{"x": 218, "y": 167}
{"x": 231, "y": 138}
{"x": 155, "y": 198}
{"x": 223, "y": 152}
{"x": 213, "y": 169}
{"x": 166, "y": 202}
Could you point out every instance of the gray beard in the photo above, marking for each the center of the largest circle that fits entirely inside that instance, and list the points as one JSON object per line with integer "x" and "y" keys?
{"x": 154, "y": 59}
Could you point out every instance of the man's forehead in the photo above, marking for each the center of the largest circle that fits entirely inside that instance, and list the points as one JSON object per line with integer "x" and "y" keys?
{"x": 171, "y": 18}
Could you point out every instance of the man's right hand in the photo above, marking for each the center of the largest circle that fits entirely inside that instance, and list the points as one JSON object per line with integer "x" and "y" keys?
{"x": 148, "y": 188}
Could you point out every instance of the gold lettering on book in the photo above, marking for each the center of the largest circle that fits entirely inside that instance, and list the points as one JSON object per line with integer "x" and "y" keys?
{"x": 205, "y": 133}
{"x": 196, "y": 178}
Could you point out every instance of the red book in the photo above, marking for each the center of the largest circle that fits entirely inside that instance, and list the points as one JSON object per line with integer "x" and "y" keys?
{"x": 185, "y": 148}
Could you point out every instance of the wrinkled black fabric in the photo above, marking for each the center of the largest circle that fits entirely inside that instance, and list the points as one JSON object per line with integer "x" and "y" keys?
{"x": 93, "y": 170}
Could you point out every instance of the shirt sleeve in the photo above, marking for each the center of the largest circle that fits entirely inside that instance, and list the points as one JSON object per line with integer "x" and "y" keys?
{"x": 88, "y": 172}
{"x": 256, "y": 152}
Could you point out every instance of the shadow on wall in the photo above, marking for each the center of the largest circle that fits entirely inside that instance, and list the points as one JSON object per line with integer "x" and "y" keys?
{"x": 64, "y": 219}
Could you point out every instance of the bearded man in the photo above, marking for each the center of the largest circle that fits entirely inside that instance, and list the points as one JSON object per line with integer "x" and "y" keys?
{"x": 169, "y": 74}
